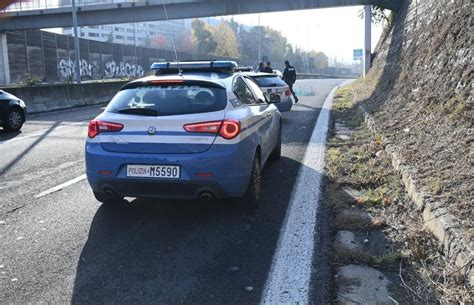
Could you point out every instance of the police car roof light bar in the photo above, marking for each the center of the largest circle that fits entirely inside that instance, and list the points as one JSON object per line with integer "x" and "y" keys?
{"x": 195, "y": 65}
{"x": 243, "y": 69}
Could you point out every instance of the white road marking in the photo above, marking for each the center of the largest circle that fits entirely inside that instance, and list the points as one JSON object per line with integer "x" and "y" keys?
{"x": 290, "y": 274}
{"x": 25, "y": 137}
{"x": 61, "y": 186}
{"x": 38, "y": 134}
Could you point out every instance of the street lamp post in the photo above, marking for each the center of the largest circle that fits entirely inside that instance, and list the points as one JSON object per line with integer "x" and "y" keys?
{"x": 367, "y": 38}
{"x": 259, "y": 42}
{"x": 76, "y": 44}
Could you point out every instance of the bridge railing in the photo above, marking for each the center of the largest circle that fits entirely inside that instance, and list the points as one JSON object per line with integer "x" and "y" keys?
{"x": 31, "y": 5}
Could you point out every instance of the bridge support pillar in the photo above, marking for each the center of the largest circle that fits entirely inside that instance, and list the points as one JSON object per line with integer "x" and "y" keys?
{"x": 4, "y": 64}
{"x": 367, "y": 38}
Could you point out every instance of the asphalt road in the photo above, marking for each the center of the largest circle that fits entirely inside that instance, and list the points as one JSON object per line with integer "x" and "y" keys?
{"x": 66, "y": 247}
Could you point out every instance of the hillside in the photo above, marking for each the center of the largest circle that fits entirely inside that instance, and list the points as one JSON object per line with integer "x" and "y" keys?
{"x": 419, "y": 91}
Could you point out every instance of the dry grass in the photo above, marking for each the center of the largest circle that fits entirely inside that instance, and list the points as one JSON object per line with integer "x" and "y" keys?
{"x": 425, "y": 274}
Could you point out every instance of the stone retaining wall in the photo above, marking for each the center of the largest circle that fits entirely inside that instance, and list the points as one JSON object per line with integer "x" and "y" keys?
{"x": 419, "y": 95}
{"x": 443, "y": 225}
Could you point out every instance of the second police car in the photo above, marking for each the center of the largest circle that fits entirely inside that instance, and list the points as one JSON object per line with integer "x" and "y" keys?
{"x": 274, "y": 88}
{"x": 195, "y": 130}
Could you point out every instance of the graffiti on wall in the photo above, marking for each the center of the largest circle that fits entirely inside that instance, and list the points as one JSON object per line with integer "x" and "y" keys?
{"x": 123, "y": 69}
{"x": 66, "y": 68}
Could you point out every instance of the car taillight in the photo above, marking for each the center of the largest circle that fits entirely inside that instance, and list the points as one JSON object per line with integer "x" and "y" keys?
{"x": 167, "y": 82}
{"x": 95, "y": 127}
{"x": 287, "y": 92}
{"x": 228, "y": 129}
{"x": 206, "y": 127}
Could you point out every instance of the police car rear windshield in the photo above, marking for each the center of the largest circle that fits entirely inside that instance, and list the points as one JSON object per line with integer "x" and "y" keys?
{"x": 168, "y": 100}
{"x": 269, "y": 81}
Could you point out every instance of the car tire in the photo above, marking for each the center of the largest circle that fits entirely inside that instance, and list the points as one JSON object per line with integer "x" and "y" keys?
{"x": 254, "y": 190}
{"x": 14, "y": 119}
{"x": 276, "y": 153}
{"x": 107, "y": 199}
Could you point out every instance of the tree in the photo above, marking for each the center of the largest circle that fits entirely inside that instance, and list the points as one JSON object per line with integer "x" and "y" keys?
{"x": 273, "y": 45}
{"x": 379, "y": 15}
{"x": 248, "y": 44}
{"x": 159, "y": 41}
{"x": 234, "y": 25}
{"x": 186, "y": 43}
{"x": 202, "y": 33}
{"x": 226, "y": 40}
{"x": 297, "y": 59}
{"x": 318, "y": 60}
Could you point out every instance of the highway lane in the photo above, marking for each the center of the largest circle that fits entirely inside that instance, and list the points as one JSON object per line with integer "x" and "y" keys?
{"x": 67, "y": 247}
{"x": 48, "y": 151}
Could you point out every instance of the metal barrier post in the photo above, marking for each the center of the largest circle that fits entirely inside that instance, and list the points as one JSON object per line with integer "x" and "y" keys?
{"x": 76, "y": 43}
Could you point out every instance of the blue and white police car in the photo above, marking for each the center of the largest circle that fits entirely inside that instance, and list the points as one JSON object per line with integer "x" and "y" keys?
{"x": 274, "y": 88}
{"x": 195, "y": 130}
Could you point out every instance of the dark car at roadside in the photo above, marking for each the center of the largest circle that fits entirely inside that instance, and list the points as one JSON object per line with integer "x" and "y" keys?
{"x": 12, "y": 112}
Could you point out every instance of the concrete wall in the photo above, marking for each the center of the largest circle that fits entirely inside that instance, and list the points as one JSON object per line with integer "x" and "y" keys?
{"x": 54, "y": 97}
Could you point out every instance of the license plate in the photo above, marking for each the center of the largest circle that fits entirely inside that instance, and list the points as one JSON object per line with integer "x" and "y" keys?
{"x": 154, "y": 171}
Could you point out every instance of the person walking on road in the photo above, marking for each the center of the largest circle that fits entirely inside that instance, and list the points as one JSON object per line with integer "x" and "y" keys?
{"x": 289, "y": 76}
{"x": 268, "y": 68}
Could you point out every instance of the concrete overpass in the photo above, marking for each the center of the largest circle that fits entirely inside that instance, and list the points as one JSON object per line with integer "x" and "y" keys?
{"x": 152, "y": 10}
{"x": 94, "y": 12}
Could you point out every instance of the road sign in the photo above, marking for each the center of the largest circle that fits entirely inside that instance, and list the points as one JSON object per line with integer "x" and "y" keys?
{"x": 358, "y": 54}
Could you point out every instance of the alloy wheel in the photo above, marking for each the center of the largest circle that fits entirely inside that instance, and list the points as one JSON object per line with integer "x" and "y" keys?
{"x": 15, "y": 119}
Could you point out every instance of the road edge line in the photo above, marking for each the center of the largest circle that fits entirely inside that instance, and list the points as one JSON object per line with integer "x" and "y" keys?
{"x": 61, "y": 186}
{"x": 290, "y": 274}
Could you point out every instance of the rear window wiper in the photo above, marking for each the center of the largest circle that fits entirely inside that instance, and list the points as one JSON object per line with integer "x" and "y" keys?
{"x": 139, "y": 111}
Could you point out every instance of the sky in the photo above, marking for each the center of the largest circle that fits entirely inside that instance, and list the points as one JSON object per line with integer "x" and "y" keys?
{"x": 335, "y": 31}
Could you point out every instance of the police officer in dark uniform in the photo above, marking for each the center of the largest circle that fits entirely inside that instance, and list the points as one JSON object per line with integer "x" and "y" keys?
{"x": 289, "y": 76}
{"x": 268, "y": 68}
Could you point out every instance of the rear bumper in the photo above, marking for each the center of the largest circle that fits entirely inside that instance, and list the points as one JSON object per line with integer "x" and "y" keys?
{"x": 230, "y": 166}
{"x": 162, "y": 189}
{"x": 284, "y": 105}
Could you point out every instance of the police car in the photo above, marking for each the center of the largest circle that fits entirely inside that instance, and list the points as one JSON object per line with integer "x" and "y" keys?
{"x": 195, "y": 130}
{"x": 274, "y": 88}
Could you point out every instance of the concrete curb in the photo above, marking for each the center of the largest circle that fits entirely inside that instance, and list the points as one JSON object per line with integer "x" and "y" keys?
{"x": 443, "y": 225}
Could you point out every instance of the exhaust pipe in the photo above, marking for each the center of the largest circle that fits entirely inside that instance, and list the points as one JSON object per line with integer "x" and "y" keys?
{"x": 205, "y": 196}
{"x": 109, "y": 192}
